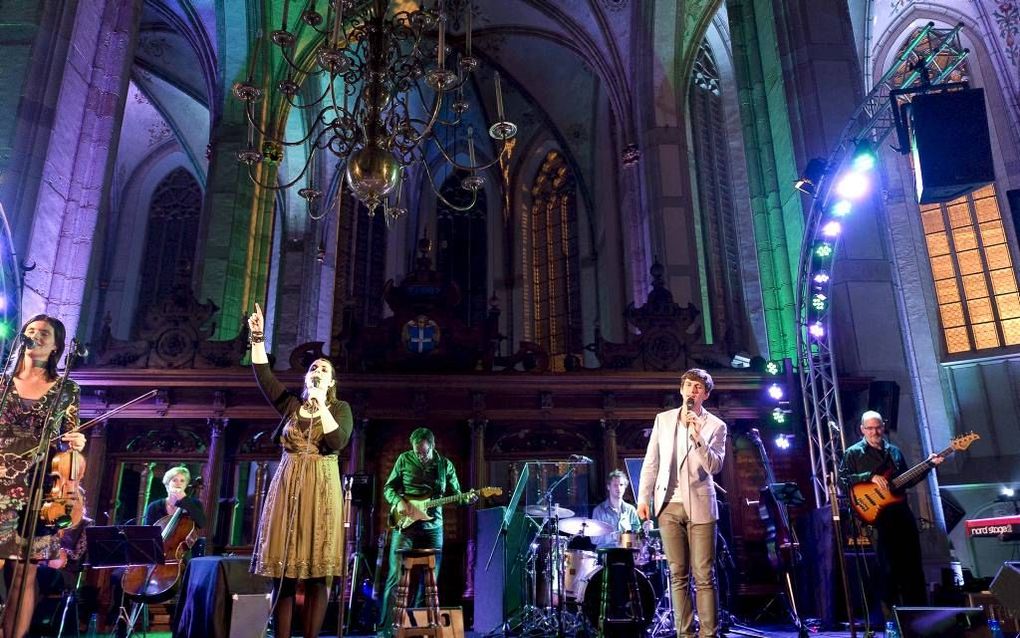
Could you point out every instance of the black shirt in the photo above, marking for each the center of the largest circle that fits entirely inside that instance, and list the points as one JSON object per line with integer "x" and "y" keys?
{"x": 192, "y": 507}
{"x": 862, "y": 461}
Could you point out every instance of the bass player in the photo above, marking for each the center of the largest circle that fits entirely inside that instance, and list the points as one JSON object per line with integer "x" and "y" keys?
{"x": 897, "y": 546}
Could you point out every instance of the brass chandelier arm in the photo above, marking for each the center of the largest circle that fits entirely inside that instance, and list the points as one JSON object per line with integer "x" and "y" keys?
{"x": 459, "y": 209}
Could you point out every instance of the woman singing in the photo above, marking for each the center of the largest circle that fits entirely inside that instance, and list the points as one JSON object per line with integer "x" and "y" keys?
{"x": 32, "y": 390}
{"x": 300, "y": 530}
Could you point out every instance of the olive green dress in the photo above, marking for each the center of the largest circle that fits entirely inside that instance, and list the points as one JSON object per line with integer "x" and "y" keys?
{"x": 300, "y": 527}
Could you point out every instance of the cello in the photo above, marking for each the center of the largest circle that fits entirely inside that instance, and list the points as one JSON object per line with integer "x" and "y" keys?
{"x": 158, "y": 583}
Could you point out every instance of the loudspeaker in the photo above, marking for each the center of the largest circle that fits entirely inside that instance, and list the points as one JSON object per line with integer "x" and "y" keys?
{"x": 1006, "y": 586}
{"x": 949, "y": 144}
{"x": 495, "y": 579}
{"x": 249, "y": 615}
{"x": 362, "y": 489}
{"x": 952, "y": 510}
{"x": 884, "y": 398}
{"x": 942, "y": 622}
{"x": 451, "y": 621}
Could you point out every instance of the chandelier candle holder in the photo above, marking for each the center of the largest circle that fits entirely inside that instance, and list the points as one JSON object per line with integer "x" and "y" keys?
{"x": 384, "y": 80}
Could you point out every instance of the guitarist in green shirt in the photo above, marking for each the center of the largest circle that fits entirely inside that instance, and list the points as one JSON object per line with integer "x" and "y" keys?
{"x": 419, "y": 473}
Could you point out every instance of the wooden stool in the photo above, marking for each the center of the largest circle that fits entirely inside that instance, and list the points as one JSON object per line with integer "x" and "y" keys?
{"x": 410, "y": 559}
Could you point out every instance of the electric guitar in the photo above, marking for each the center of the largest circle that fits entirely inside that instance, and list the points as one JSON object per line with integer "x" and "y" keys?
{"x": 868, "y": 500}
{"x": 417, "y": 509}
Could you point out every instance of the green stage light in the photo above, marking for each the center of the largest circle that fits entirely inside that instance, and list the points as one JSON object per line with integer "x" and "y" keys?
{"x": 774, "y": 367}
{"x": 824, "y": 250}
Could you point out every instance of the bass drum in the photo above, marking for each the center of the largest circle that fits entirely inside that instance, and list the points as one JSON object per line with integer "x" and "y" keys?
{"x": 618, "y": 599}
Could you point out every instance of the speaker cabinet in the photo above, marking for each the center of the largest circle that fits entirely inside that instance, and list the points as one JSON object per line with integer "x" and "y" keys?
{"x": 249, "y": 615}
{"x": 942, "y": 622}
{"x": 1006, "y": 586}
{"x": 884, "y": 398}
{"x": 949, "y": 144}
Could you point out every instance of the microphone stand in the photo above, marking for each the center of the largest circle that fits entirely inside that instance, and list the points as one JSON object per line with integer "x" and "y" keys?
{"x": 557, "y": 557}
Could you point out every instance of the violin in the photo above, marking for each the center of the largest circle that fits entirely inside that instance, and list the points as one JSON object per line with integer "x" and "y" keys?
{"x": 64, "y": 504}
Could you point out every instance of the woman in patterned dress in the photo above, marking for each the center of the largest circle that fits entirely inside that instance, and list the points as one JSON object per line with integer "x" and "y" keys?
{"x": 32, "y": 391}
{"x": 300, "y": 529}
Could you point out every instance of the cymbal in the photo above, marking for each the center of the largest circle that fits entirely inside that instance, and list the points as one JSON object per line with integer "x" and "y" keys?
{"x": 541, "y": 511}
{"x": 585, "y": 526}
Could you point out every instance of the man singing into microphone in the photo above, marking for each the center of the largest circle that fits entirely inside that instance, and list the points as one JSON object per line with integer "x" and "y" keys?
{"x": 687, "y": 446}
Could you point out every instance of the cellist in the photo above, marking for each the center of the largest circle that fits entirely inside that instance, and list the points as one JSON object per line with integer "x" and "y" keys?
{"x": 176, "y": 481}
{"x": 32, "y": 389}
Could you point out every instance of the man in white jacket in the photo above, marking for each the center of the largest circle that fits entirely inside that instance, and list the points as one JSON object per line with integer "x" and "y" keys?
{"x": 687, "y": 446}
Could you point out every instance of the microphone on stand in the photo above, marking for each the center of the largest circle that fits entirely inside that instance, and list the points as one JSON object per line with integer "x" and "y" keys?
{"x": 582, "y": 458}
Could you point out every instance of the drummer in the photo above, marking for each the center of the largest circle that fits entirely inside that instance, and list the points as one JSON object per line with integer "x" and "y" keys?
{"x": 620, "y": 515}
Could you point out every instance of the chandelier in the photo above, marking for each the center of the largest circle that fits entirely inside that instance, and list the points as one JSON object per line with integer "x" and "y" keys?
{"x": 378, "y": 90}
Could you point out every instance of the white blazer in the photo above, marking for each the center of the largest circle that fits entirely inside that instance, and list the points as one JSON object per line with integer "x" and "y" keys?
{"x": 695, "y": 478}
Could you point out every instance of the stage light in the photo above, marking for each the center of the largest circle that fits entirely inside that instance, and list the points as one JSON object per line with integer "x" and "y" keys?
{"x": 817, "y": 330}
{"x": 818, "y": 302}
{"x": 821, "y": 278}
{"x": 832, "y": 229}
{"x": 773, "y": 367}
{"x": 783, "y": 442}
{"x": 824, "y": 251}
{"x": 812, "y": 175}
{"x": 741, "y": 360}
{"x": 1008, "y": 492}
{"x": 5, "y": 330}
{"x": 853, "y": 185}
{"x": 841, "y": 208}
{"x": 865, "y": 157}
{"x": 776, "y": 391}
{"x": 3, "y": 302}
{"x": 778, "y": 416}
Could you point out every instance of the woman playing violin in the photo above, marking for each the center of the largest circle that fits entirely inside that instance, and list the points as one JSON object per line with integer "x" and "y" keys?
{"x": 34, "y": 388}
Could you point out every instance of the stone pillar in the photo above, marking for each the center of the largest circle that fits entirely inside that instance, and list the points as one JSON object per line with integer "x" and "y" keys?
{"x": 144, "y": 487}
{"x": 478, "y": 474}
{"x": 79, "y": 158}
{"x": 356, "y": 448}
{"x": 609, "y": 459}
{"x": 261, "y": 476}
{"x": 212, "y": 473}
{"x": 95, "y": 469}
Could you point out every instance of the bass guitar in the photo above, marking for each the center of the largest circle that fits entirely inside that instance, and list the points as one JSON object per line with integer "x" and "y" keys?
{"x": 417, "y": 509}
{"x": 868, "y": 500}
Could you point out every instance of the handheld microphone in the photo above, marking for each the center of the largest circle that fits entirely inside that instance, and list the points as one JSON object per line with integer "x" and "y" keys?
{"x": 582, "y": 458}
{"x": 29, "y": 342}
{"x": 315, "y": 382}
{"x": 690, "y": 403}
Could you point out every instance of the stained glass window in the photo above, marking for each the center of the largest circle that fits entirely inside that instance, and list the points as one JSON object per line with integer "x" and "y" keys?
{"x": 550, "y": 261}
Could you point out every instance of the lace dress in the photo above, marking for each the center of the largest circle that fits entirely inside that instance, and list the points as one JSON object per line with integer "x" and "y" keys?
{"x": 300, "y": 529}
{"x": 21, "y": 427}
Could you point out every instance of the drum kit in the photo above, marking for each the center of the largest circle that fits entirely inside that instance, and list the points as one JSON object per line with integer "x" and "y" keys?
{"x": 573, "y": 589}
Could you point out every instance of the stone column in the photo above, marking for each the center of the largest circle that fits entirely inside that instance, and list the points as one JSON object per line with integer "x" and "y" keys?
{"x": 79, "y": 158}
{"x": 95, "y": 470}
{"x": 609, "y": 458}
{"x": 212, "y": 473}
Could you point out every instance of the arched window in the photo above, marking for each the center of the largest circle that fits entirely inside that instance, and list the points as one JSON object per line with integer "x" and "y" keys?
{"x": 552, "y": 308}
{"x": 975, "y": 283}
{"x": 462, "y": 254}
{"x": 171, "y": 235}
{"x": 718, "y": 244}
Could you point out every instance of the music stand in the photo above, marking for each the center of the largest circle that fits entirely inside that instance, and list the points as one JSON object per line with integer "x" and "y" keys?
{"x": 788, "y": 493}
{"x": 123, "y": 545}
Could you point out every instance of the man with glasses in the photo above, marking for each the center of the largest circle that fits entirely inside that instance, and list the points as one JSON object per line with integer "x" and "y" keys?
{"x": 897, "y": 546}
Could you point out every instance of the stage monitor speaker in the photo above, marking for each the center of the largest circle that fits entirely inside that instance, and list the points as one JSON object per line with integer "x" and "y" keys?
{"x": 884, "y": 398}
{"x": 451, "y": 621}
{"x": 249, "y": 615}
{"x": 942, "y": 622}
{"x": 1006, "y": 586}
{"x": 949, "y": 144}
